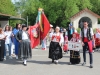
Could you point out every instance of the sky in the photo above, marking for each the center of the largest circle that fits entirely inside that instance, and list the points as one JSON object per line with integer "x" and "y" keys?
{"x": 14, "y": 1}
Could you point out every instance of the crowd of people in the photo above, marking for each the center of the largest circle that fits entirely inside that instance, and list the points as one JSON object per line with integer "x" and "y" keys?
{"x": 18, "y": 39}
{"x": 59, "y": 42}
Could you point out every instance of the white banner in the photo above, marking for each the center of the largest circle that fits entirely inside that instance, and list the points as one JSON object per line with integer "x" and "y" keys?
{"x": 74, "y": 45}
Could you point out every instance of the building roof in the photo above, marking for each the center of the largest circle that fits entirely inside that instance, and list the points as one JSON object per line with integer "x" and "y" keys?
{"x": 9, "y": 17}
{"x": 4, "y": 15}
{"x": 85, "y": 10}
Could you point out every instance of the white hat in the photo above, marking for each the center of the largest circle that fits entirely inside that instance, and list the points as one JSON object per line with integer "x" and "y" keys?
{"x": 58, "y": 27}
{"x": 51, "y": 25}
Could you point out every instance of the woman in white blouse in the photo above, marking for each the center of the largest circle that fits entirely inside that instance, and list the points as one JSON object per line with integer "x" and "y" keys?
{"x": 24, "y": 51}
{"x": 7, "y": 41}
{"x": 2, "y": 44}
{"x": 55, "y": 50}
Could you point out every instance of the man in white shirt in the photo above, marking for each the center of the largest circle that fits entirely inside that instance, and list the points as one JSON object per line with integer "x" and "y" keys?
{"x": 87, "y": 37}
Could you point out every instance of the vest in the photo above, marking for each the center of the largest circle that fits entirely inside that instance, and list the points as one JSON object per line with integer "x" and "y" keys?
{"x": 89, "y": 37}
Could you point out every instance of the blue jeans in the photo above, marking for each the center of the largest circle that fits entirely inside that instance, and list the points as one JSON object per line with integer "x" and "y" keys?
{"x": 43, "y": 43}
{"x": 7, "y": 47}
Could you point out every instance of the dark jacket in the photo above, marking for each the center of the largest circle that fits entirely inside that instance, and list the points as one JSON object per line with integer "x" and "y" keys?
{"x": 19, "y": 35}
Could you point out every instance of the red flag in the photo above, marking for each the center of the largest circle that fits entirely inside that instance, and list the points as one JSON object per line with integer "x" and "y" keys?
{"x": 90, "y": 46}
{"x": 46, "y": 26}
{"x": 34, "y": 35}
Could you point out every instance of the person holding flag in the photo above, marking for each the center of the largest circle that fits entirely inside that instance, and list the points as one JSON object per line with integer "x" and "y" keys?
{"x": 40, "y": 30}
{"x": 55, "y": 50}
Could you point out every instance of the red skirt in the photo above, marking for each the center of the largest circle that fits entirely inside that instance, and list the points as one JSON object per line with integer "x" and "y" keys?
{"x": 97, "y": 42}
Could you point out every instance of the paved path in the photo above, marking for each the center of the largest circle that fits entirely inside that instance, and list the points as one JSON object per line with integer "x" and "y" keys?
{"x": 40, "y": 64}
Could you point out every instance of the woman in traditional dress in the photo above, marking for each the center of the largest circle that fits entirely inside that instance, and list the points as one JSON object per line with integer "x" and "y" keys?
{"x": 75, "y": 54}
{"x": 16, "y": 43}
{"x": 55, "y": 50}
{"x": 97, "y": 39}
{"x": 8, "y": 41}
{"x": 65, "y": 45}
{"x": 2, "y": 44}
{"x": 24, "y": 44}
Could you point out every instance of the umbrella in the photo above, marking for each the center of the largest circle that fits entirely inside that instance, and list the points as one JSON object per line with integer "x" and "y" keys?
{"x": 85, "y": 19}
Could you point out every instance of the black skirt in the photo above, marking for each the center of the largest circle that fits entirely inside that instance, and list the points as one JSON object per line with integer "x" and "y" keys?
{"x": 25, "y": 49}
{"x": 74, "y": 57}
{"x": 55, "y": 51}
{"x": 2, "y": 48}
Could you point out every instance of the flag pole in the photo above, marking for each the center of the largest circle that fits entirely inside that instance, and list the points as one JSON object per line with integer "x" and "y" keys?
{"x": 38, "y": 20}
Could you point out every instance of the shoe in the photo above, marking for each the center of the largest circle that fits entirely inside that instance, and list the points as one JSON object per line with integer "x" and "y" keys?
{"x": 1, "y": 59}
{"x": 56, "y": 62}
{"x": 91, "y": 66}
{"x": 4, "y": 58}
{"x": 84, "y": 64}
{"x": 16, "y": 57}
{"x": 52, "y": 61}
{"x": 43, "y": 48}
{"x": 25, "y": 64}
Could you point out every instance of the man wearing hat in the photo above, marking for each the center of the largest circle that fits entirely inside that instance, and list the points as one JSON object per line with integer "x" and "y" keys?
{"x": 24, "y": 47}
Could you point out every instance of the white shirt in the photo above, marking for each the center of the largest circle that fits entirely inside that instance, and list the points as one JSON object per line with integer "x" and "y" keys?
{"x": 61, "y": 37}
{"x": 24, "y": 36}
{"x": 2, "y": 35}
{"x": 8, "y": 38}
{"x": 50, "y": 34}
{"x": 97, "y": 35}
{"x": 85, "y": 32}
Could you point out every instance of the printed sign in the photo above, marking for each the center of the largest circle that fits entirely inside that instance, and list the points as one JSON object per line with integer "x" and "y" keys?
{"x": 74, "y": 45}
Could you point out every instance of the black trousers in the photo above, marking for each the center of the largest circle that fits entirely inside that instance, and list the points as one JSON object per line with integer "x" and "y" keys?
{"x": 85, "y": 47}
{"x": 2, "y": 48}
{"x": 69, "y": 37}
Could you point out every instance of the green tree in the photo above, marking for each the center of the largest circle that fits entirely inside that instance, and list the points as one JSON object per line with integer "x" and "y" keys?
{"x": 7, "y": 7}
{"x": 57, "y": 11}
{"x": 84, "y": 4}
{"x": 95, "y": 7}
